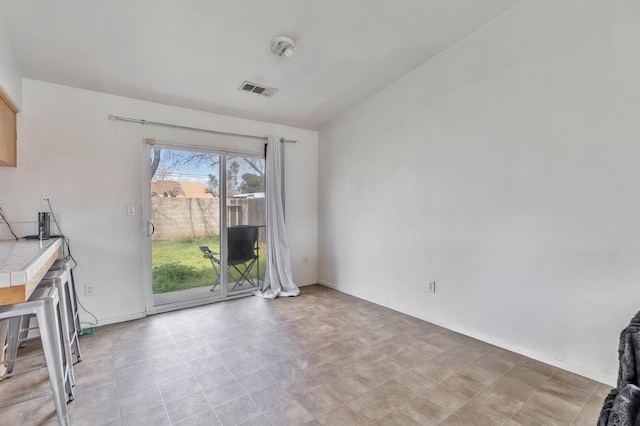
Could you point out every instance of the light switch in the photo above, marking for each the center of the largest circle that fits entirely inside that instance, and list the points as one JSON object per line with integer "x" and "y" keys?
{"x": 131, "y": 210}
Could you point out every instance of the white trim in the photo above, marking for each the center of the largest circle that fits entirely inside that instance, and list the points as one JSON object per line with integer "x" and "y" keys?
{"x": 530, "y": 353}
{"x": 147, "y": 281}
{"x": 115, "y": 320}
{"x": 193, "y": 303}
{"x": 207, "y": 148}
{"x": 147, "y": 278}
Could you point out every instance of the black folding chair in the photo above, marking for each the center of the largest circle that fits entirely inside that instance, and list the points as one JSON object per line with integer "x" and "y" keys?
{"x": 242, "y": 244}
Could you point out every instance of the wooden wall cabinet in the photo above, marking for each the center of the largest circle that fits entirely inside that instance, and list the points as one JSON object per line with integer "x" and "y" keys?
{"x": 8, "y": 132}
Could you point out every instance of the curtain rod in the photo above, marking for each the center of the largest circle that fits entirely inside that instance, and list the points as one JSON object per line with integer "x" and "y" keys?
{"x": 197, "y": 129}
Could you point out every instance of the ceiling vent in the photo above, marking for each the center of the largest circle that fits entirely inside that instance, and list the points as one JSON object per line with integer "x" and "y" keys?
{"x": 248, "y": 86}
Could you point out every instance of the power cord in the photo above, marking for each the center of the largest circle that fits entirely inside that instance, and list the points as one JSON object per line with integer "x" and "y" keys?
{"x": 67, "y": 243}
{"x": 9, "y": 226}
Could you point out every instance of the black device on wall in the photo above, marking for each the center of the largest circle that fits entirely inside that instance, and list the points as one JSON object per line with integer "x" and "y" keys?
{"x": 44, "y": 230}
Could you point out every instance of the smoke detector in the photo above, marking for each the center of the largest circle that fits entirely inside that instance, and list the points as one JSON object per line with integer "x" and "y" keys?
{"x": 282, "y": 46}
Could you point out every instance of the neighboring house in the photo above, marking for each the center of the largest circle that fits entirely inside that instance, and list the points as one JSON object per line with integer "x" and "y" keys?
{"x": 167, "y": 188}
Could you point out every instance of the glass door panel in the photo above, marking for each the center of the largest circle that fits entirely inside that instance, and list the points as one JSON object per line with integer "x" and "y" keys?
{"x": 185, "y": 213}
{"x": 245, "y": 205}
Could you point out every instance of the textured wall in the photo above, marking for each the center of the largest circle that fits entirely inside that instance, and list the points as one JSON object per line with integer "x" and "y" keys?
{"x": 505, "y": 169}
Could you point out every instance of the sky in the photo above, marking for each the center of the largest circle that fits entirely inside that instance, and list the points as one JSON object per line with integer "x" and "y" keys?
{"x": 194, "y": 166}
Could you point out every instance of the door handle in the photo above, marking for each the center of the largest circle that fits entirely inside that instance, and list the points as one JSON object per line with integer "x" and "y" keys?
{"x": 153, "y": 229}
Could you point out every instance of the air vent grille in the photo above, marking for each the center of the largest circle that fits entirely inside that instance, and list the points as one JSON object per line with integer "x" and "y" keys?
{"x": 248, "y": 86}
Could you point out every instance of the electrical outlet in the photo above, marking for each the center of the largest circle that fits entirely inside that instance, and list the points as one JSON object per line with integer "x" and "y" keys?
{"x": 89, "y": 290}
{"x": 45, "y": 199}
{"x": 432, "y": 287}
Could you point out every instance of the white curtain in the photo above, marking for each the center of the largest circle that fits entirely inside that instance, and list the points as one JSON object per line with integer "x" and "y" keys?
{"x": 277, "y": 280}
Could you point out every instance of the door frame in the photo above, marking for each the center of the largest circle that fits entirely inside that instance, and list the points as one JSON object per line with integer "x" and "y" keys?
{"x": 147, "y": 255}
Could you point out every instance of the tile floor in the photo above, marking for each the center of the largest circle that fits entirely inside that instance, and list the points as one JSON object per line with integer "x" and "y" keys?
{"x": 321, "y": 358}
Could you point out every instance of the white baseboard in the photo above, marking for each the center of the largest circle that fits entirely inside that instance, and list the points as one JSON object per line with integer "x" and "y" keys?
{"x": 114, "y": 320}
{"x": 528, "y": 352}
{"x": 173, "y": 307}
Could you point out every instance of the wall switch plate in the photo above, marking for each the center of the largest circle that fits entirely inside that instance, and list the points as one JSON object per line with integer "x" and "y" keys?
{"x": 131, "y": 210}
{"x": 431, "y": 287}
{"x": 45, "y": 199}
{"x": 305, "y": 261}
{"x": 89, "y": 290}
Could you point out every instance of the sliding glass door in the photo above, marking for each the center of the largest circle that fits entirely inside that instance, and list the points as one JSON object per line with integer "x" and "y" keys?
{"x": 205, "y": 225}
{"x": 245, "y": 223}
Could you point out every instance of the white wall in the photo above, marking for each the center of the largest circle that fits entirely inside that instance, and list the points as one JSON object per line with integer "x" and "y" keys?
{"x": 505, "y": 169}
{"x": 10, "y": 73}
{"x": 92, "y": 168}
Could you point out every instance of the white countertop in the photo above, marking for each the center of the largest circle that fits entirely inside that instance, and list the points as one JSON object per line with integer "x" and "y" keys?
{"x": 21, "y": 260}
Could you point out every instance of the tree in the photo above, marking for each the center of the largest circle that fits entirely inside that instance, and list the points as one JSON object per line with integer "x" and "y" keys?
{"x": 251, "y": 183}
{"x": 232, "y": 178}
{"x": 213, "y": 186}
{"x": 164, "y": 172}
{"x": 163, "y": 162}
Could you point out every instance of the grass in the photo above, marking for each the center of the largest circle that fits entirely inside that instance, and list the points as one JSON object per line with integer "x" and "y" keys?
{"x": 179, "y": 264}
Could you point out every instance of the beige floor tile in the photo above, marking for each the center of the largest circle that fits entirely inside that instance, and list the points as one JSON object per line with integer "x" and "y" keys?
{"x": 370, "y": 377}
{"x": 330, "y": 358}
{"x": 290, "y": 414}
{"x": 271, "y": 397}
{"x": 320, "y": 401}
{"x": 534, "y": 415}
{"x": 237, "y": 411}
{"x": 513, "y": 387}
{"x": 424, "y": 411}
{"x": 463, "y": 384}
{"x": 396, "y": 418}
{"x": 499, "y": 401}
{"x": 476, "y": 412}
{"x": 505, "y": 355}
{"x": 394, "y": 392}
{"x": 392, "y": 367}
{"x": 482, "y": 374}
{"x": 435, "y": 372}
{"x": 545, "y": 403}
{"x": 416, "y": 381}
{"x": 382, "y": 400}
{"x": 13, "y": 415}
{"x": 579, "y": 382}
{"x": 224, "y": 392}
{"x": 371, "y": 406}
{"x": 455, "y": 420}
{"x": 347, "y": 388}
{"x": 528, "y": 376}
{"x": 414, "y": 356}
{"x": 344, "y": 416}
{"x": 590, "y": 412}
{"x": 602, "y": 390}
{"x": 539, "y": 367}
{"x": 307, "y": 360}
{"x": 566, "y": 392}
{"x": 446, "y": 397}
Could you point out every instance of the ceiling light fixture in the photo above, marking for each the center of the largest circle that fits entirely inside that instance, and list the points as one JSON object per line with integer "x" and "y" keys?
{"x": 282, "y": 46}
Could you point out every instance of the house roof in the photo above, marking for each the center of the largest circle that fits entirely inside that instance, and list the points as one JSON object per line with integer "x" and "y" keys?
{"x": 179, "y": 189}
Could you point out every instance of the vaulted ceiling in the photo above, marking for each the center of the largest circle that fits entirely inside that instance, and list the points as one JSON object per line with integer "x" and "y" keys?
{"x": 196, "y": 53}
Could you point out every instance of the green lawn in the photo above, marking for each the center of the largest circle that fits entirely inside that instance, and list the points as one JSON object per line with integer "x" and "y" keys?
{"x": 180, "y": 265}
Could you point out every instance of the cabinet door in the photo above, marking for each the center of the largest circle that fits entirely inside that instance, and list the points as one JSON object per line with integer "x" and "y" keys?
{"x": 8, "y": 133}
